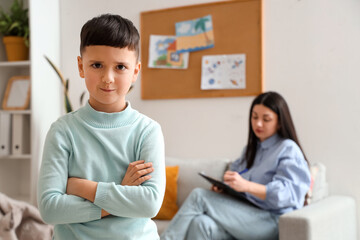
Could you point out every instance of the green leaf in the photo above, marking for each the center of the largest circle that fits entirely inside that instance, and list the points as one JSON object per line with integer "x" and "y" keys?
{"x": 16, "y": 22}
{"x": 67, "y": 85}
{"x": 68, "y": 106}
{"x": 56, "y": 69}
{"x": 82, "y": 98}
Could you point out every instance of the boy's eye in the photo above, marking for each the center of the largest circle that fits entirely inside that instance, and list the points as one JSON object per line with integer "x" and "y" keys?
{"x": 120, "y": 67}
{"x": 96, "y": 65}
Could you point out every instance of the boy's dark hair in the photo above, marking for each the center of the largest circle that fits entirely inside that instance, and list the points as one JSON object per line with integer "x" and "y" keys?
{"x": 110, "y": 30}
{"x": 276, "y": 103}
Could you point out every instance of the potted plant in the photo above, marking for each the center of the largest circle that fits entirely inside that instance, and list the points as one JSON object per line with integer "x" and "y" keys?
{"x": 14, "y": 27}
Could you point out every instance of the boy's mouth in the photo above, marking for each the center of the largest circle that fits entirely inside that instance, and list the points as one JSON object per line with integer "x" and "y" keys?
{"x": 107, "y": 89}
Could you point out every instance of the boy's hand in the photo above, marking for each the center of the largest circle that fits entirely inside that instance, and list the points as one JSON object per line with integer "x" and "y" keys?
{"x": 136, "y": 173}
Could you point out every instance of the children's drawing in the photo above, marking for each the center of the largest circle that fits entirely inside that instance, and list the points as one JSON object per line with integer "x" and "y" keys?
{"x": 162, "y": 53}
{"x": 194, "y": 35}
{"x": 223, "y": 72}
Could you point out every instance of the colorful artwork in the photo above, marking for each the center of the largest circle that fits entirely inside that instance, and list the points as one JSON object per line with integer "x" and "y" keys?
{"x": 194, "y": 35}
{"x": 162, "y": 53}
{"x": 223, "y": 72}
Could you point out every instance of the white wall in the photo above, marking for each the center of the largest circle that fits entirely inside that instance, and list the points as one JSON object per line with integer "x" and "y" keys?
{"x": 311, "y": 56}
{"x": 45, "y": 86}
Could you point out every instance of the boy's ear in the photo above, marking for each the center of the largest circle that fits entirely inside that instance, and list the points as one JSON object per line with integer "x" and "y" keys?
{"x": 81, "y": 67}
{"x": 136, "y": 71}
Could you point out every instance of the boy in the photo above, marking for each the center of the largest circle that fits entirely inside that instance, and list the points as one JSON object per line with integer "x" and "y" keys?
{"x": 94, "y": 181}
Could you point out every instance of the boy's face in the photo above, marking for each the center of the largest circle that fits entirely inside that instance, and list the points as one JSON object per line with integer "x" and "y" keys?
{"x": 109, "y": 73}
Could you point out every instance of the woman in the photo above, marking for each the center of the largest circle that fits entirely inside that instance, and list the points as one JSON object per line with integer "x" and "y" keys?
{"x": 272, "y": 172}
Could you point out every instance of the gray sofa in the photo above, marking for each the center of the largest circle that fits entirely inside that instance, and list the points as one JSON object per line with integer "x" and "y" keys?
{"x": 326, "y": 217}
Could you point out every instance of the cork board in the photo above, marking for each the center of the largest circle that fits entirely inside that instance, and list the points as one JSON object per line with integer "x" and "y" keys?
{"x": 237, "y": 27}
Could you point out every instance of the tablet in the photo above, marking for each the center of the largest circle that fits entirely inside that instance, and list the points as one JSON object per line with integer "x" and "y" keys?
{"x": 226, "y": 188}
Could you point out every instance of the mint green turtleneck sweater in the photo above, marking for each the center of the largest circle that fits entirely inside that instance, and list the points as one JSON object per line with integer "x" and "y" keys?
{"x": 99, "y": 146}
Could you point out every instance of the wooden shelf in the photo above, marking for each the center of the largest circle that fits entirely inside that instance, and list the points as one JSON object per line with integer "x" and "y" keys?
{"x": 20, "y": 156}
{"x": 27, "y": 111}
{"x": 15, "y": 64}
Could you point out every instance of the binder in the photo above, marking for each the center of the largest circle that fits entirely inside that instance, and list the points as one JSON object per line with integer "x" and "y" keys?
{"x": 5, "y": 133}
{"x": 20, "y": 143}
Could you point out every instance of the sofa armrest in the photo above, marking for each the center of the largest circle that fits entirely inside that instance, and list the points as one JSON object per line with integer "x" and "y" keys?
{"x": 331, "y": 218}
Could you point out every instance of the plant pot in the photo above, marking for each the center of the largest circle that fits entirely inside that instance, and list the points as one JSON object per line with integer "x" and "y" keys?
{"x": 15, "y": 47}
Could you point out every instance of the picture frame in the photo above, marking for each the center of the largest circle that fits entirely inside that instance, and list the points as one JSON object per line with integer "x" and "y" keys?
{"x": 17, "y": 93}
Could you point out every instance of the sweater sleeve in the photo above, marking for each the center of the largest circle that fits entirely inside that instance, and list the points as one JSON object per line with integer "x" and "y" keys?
{"x": 290, "y": 183}
{"x": 56, "y": 207}
{"x": 138, "y": 201}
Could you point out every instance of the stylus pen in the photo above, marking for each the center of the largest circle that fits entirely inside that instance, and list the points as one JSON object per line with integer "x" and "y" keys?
{"x": 243, "y": 171}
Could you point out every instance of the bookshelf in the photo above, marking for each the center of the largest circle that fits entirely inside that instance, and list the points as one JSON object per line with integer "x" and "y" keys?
{"x": 19, "y": 170}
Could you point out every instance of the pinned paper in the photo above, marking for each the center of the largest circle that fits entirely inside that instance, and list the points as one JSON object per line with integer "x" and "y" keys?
{"x": 162, "y": 53}
{"x": 194, "y": 35}
{"x": 223, "y": 72}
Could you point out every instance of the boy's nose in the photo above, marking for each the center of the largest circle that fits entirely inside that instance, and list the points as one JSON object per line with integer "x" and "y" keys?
{"x": 108, "y": 77}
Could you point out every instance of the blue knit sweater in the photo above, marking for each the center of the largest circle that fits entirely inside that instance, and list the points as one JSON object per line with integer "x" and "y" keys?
{"x": 99, "y": 146}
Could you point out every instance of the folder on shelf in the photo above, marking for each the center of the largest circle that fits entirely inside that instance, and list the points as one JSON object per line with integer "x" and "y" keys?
{"x": 5, "y": 133}
{"x": 20, "y": 134}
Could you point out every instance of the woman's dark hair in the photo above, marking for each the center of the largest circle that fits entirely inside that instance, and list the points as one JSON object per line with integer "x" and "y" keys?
{"x": 286, "y": 130}
{"x": 110, "y": 30}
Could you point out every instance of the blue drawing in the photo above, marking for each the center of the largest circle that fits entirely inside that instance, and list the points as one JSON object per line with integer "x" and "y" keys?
{"x": 194, "y": 35}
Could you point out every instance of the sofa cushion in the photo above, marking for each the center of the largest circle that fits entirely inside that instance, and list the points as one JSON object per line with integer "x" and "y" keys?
{"x": 169, "y": 207}
{"x": 188, "y": 173}
{"x": 319, "y": 188}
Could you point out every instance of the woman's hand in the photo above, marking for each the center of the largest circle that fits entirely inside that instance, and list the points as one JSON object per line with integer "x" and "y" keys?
{"x": 136, "y": 173}
{"x": 216, "y": 189}
{"x": 234, "y": 180}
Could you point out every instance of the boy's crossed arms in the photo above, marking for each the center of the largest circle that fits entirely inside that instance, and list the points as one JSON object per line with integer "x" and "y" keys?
{"x": 136, "y": 173}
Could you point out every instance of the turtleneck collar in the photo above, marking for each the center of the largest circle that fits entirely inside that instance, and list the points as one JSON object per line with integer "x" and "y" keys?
{"x": 108, "y": 120}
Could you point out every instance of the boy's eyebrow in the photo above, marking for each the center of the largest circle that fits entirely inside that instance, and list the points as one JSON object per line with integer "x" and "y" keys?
{"x": 122, "y": 63}
{"x": 118, "y": 63}
{"x": 95, "y": 61}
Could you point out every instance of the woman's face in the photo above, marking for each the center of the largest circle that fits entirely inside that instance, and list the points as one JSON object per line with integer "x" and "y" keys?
{"x": 264, "y": 122}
